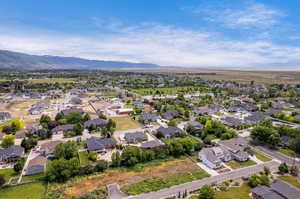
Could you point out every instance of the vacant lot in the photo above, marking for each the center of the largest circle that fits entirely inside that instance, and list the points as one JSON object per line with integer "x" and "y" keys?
{"x": 150, "y": 175}
{"x": 236, "y": 164}
{"x": 34, "y": 190}
{"x": 125, "y": 123}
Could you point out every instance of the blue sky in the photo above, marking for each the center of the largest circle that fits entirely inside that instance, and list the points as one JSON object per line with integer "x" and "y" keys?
{"x": 190, "y": 33}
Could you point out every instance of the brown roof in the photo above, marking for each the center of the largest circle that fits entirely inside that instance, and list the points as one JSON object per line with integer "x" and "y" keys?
{"x": 49, "y": 147}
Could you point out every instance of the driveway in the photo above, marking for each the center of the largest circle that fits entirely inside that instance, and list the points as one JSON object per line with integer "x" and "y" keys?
{"x": 114, "y": 192}
{"x": 207, "y": 169}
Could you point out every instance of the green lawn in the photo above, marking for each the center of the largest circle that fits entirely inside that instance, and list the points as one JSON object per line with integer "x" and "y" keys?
{"x": 34, "y": 190}
{"x": 287, "y": 152}
{"x": 8, "y": 173}
{"x": 84, "y": 158}
{"x": 125, "y": 123}
{"x": 154, "y": 184}
{"x": 235, "y": 193}
{"x": 37, "y": 176}
{"x": 262, "y": 157}
{"x": 236, "y": 164}
{"x": 291, "y": 180}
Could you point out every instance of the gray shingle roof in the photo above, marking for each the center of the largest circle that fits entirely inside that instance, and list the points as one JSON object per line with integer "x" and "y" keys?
{"x": 95, "y": 144}
{"x": 95, "y": 122}
{"x": 11, "y": 152}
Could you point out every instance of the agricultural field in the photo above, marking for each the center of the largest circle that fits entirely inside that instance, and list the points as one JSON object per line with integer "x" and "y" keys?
{"x": 51, "y": 80}
{"x": 125, "y": 123}
{"x": 259, "y": 77}
{"x": 35, "y": 190}
{"x": 146, "y": 177}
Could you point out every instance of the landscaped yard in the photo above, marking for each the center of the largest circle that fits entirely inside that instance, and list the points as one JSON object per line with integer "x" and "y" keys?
{"x": 287, "y": 152}
{"x": 236, "y": 164}
{"x": 291, "y": 180}
{"x": 37, "y": 176}
{"x": 84, "y": 158}
{"x": 8, "y": 173}
{"x": 262, "y": 157}
{"x": 235, "y": 193}
{"x": 141, "y": 178}
{"x": 34, "y": 190}
{"x": 125, "y": 123}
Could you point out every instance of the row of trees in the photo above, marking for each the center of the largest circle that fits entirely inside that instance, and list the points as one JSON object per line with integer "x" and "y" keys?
{"x": 174, "y": 147}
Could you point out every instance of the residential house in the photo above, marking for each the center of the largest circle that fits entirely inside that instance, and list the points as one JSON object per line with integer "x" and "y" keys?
{"x": 75, "y": 101}
{"x": 169, "y": 132}
{"x": 147, "y": 118}
{"x": 124, "y": 111}
{"x": 71, "y": 110}
{"x": 170, "y": 114}
{"x": 100, "y": 144}
{"x": 236, "y": 146}
{"x": 255, "y": 118}
{"x": 196, "y": 125}
{"x": 46, "y": 149}
{"x": 11, "y": 154}
{"x": 36, "y": 165}
{"x": 5, "y": 117}
{"x": 209, "y": 158}
{"x": 95, "y": 123}
{"x": 232, "y": 121}
{"x": 134, "y": 138}
{"x": 278, "y": 190}
{"x": 152, "y": 145}
{"x": 61, "y": 129}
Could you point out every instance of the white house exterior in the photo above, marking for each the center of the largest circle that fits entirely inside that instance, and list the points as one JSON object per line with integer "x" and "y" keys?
{"x": 208, "y": 158}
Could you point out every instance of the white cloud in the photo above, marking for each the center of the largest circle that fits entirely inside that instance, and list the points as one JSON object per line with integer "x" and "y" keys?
{"x": 246, "y": 16}
{"x": 155, "y": 43}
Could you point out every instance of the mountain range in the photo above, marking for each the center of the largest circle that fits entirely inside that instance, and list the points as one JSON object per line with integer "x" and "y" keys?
{"x": 21, "y": 61}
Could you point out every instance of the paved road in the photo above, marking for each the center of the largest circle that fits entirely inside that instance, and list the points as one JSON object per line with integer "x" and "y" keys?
{"x": 278, "y": 155}
{"x": 114, "y": 192}
{"x": 192, "y": 186}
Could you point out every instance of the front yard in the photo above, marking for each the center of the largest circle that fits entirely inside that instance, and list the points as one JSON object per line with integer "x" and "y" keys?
{"x": 291, "y": 180}
{"x": 125, "y": 123}
{"x": 236, "y": 164}
{"x": 235, "y": 193}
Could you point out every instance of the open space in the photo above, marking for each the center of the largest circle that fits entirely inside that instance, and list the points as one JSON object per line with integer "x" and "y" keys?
{"x": 125, "y": 123}
{"x": 141, "y": 178}
{"x": 261, "y": 156}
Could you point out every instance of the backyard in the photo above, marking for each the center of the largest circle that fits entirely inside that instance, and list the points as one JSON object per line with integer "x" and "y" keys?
{"x": 8, "y": 173}
{"x": 125, "y": 123}
{"x": 34, "y": 190}
{"x": 146, "y": 177}
{"x": 235, "y": 193}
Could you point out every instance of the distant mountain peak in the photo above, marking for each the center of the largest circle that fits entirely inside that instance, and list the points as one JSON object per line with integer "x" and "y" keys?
{"x": 22, "y": 61}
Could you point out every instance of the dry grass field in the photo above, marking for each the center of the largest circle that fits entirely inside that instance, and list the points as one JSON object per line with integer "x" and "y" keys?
{"x": 125, "y": 123}
{"x": 260, "y": 77}
{"x": 178, "y": 169}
